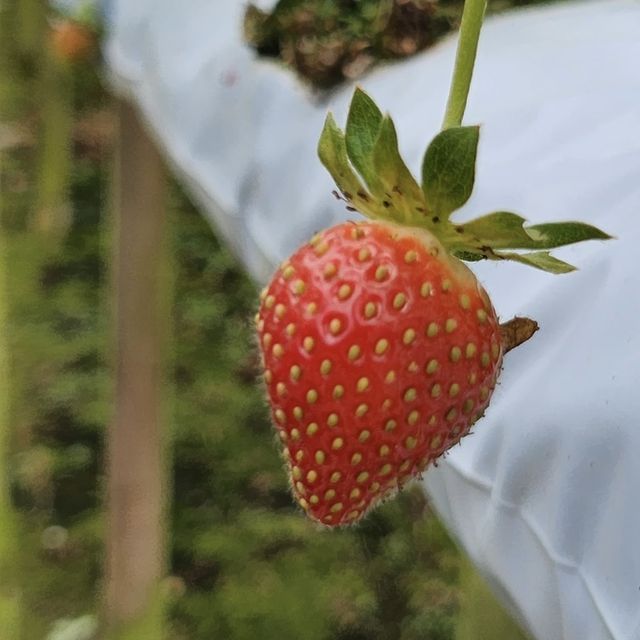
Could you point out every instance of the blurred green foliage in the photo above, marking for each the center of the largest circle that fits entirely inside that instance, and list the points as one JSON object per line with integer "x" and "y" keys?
{"x": 329, "y": 41}
{"x": 244, "y": 562}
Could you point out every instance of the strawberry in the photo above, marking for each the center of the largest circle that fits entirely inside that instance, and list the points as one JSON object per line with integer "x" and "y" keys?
{"x": 380, "y": 348}
{"x": 71, "y": 41}
{"x": 380, "y": 352}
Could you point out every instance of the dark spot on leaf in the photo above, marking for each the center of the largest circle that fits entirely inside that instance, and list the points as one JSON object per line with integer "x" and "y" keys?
{"x": 363, "y": 195}
{"x": 435, "y": 219}
{"x": 386, "y": 204}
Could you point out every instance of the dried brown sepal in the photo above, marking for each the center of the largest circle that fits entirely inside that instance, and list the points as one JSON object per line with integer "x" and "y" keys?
{"x": 516, "y": 331}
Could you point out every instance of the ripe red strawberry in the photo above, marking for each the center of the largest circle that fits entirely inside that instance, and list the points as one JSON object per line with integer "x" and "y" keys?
{"x": 380, "y": 351}
{"x": 380, "y": 347}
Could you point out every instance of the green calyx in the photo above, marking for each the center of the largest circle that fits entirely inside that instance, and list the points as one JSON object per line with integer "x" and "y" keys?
{"x": 367, "y": 167}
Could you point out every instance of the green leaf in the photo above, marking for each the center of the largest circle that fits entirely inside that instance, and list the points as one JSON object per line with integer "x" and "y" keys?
{"x": 558, "y": 234}
{"x": 540, "y": 260}
{"x": 363, "y": 125}
{"x": 499, "y": 230}
{"x": 449, "y": 168}
{"x": 333, "y": 155}
{"x": 504, "y": 230}
{"x": 468, "y": 256}
{"x": 401, "y": 191}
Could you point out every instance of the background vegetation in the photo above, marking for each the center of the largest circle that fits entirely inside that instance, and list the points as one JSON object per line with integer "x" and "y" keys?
{"x": 329, "y": 41}
{"x": 244, "y": 563}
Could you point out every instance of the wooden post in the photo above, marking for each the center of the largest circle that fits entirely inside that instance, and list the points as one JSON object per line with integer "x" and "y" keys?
{"x": 135, "y": 462}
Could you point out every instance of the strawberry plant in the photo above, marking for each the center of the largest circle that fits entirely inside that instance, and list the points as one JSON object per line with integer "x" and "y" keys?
{"x": 380, "y": 347}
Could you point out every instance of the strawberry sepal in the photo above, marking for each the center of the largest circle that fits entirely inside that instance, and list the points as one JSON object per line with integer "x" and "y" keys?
{"x": 367, "y": 167}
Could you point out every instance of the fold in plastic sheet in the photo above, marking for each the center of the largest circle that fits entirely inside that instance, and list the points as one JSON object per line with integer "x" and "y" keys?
{"x": 545, "y": 494}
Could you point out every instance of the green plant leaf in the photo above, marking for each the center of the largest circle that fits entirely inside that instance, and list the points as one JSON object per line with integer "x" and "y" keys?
{"x": 402, "y": 193}
{"x": 504, "y": 230}
{"x": 540, "y": 260}
{"x": 468, "y": 256}
{"x": 368, "y": 154}
{"x": 559, "y": 234}
{"x": 449, "y": 169}
{"x": 332, "y": 151}
{"x": 499, "y": 230}
{"x": 361, "y": 133}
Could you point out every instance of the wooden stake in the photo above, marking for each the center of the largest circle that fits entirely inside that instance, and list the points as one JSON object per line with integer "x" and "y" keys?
{"x": 135, "y": 463}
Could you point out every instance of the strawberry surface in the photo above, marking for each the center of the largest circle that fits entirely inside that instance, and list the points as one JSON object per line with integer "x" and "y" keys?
{"x": 380, "y": 352}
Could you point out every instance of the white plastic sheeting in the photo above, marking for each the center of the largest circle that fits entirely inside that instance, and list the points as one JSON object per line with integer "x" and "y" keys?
{"x": 545, "y": 495}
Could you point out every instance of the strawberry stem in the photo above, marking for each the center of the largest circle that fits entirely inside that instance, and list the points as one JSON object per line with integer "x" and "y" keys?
{"x": 472, "y": 16}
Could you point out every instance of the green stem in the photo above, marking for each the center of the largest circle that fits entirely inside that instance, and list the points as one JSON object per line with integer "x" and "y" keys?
{"x": 9, "y": 571}
{"x": 472, "y": 16}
